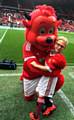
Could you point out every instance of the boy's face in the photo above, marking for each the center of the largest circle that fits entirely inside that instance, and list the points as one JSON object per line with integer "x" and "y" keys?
{"x": 58, "y": 47}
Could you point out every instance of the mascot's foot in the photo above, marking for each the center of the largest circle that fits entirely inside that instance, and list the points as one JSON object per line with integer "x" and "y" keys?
{"x": 32, "y": 116}
{"x": 29, "y": 98}
{"x": 49, "y": 110}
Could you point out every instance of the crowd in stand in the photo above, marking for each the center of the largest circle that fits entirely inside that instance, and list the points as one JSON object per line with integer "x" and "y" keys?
{"x": 13, "y": 18}
{"x": 67, "y": 25}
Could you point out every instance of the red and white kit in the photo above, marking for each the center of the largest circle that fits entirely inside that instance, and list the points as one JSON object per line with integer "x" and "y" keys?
{"x": 49, "y": 84}
{"x": 41, "y": 35}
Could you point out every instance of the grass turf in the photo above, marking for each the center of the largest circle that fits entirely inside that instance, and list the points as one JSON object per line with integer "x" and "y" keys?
{"x": 11, "y": 45}
{"x": 13, "y": 106}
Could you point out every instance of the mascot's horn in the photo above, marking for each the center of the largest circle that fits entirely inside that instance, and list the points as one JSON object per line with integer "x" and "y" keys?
{"x": 27, "y": 16}
{"x": 52, "y": 19}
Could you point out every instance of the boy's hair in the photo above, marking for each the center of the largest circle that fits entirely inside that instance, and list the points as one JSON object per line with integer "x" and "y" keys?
{"x": 62, "y": 40}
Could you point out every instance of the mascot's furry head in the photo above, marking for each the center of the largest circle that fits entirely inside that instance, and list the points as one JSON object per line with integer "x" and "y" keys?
{"x": 42, "y": 26}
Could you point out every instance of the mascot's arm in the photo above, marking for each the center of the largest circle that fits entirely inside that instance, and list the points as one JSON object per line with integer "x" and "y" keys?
{"x": 29, "y": 71}
{"x": 29, "y": 59}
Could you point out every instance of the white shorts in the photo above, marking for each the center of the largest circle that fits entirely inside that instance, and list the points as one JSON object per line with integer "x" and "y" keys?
{"x": 30, "y": 86}
{"x": 46, "y": 86}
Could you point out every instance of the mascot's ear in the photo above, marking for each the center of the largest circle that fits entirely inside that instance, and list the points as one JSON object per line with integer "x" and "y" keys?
{"x": 26, "y": 22}
{"x": 59, "y": 22}
{"x": 27, "y": 16}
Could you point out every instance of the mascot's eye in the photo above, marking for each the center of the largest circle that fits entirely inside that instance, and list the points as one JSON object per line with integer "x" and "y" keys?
{"x": 51, "y": 30}
{"x": 42, "y": 31}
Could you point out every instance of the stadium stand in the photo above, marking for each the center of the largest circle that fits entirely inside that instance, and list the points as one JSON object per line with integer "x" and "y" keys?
{"x": 12, "y": 11}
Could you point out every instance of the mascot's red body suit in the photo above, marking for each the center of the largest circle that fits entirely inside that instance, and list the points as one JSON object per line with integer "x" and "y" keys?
{"x": 41, "y": 34}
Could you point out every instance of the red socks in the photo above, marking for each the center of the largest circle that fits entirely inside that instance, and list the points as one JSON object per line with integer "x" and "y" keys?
{"x": 29, "y": 98}
{"x": 40, "y": 103}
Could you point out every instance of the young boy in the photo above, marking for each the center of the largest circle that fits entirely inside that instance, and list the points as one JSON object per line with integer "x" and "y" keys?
{"x": 52, "y": 81}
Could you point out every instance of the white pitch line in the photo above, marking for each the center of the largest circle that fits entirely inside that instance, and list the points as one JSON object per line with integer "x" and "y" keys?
{"x": 3, "y": 36}
{"x": 67, "y": 101}
{"x": 71, "y": 74}
{"x": 9, "y": 75}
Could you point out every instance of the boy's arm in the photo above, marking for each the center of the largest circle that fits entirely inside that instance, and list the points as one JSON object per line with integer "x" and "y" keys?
{"x": 39, "y": 66}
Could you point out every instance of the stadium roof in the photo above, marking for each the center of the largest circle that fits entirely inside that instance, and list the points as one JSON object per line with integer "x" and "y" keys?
{"x": 64, "y": 4}
{"x": 29, "y": 4}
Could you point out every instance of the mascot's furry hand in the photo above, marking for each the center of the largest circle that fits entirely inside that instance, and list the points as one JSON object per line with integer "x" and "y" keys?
{"x": 57, "y": 61}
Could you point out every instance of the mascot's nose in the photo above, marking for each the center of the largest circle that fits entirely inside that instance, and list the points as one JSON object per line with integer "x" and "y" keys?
{"x": 49, "y": 40}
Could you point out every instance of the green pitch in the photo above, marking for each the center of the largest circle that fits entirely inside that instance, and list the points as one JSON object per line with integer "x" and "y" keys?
{"x": 13, "y": 106}
{"x": 11, "y": 42}
{"x": 69, "y": 50}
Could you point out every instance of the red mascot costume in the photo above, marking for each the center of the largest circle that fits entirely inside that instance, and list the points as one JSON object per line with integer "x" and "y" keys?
{"x": 41, "y": 35}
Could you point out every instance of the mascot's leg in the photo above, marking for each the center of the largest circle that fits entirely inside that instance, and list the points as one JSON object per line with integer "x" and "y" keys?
{"x": 60, "y": 82}
{"x": 29, "y": 88}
